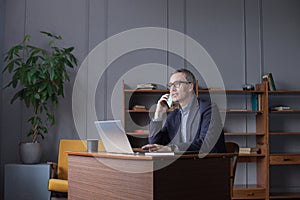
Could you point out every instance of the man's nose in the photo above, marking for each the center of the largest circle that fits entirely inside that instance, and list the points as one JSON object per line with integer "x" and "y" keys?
{"x": 173, "y": 88}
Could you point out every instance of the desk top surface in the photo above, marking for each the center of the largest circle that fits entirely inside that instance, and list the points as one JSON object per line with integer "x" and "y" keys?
{"x": 144, "y": 157}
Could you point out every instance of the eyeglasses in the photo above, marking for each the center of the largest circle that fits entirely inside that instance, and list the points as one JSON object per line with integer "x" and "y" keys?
{"x": 176, "y": 84}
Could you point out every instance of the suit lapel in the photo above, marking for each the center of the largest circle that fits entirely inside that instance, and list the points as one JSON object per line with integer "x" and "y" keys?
{"x": 194, "y": 115}
{"x": 176, "y": 131}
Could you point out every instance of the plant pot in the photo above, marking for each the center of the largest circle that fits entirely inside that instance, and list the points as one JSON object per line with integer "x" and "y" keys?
{"x": 30, "y": 153}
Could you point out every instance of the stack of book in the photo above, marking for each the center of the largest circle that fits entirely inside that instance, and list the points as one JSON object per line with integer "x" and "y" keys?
{"x": 138, "y": 107}
{"x": 248, "y": 150}
{"x": 146, "y": 86}
{"x": 280, "y": 107}
{"x": 271, "y": 83}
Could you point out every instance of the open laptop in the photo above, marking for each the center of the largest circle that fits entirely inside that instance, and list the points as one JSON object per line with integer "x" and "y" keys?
{"x": 115, "y": 139}
{"x": 113, "y": 136}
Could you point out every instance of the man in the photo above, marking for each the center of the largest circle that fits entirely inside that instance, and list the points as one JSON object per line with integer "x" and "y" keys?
{"x": 194, "y": 126}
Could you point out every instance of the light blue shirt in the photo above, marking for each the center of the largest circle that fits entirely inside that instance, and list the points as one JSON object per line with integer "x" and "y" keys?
{"x": 184, "y": 116}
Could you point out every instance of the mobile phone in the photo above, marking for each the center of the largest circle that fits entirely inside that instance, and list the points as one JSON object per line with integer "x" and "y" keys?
{"x": 169, "y": 102}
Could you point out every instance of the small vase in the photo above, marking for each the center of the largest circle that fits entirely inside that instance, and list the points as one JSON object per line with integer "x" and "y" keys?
{"x": 30, "y": 153}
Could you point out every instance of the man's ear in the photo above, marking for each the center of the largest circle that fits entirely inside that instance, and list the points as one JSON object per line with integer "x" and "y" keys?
{"x": 191, "y": 87}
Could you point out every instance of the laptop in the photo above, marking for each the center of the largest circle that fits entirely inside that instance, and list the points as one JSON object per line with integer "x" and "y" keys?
{"x": 113, "y": 136}
{"x": 115, "y": 140}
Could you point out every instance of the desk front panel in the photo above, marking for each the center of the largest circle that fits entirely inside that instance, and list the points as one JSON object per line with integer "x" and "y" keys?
{"x": 93, "y": 178}
{"x": 189, "y": 178}
{"x": 206, "y": 178}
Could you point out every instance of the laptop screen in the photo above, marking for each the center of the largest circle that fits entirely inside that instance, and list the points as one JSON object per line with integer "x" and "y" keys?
{"x": 113, "y": 136}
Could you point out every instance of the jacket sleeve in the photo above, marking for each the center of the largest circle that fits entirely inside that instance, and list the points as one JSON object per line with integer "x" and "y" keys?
{"x": 156, "y": 133}
{"x": 163, "y": 135}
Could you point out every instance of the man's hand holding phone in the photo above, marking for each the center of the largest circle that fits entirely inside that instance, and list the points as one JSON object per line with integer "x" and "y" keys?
{"x": 163, "y": 104}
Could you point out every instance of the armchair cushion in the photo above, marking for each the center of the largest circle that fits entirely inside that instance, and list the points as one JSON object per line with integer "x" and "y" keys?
{"x": 58, "y": 185}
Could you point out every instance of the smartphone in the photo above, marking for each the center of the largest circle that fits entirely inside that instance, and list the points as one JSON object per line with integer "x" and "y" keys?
{"x": 169, "y": 102}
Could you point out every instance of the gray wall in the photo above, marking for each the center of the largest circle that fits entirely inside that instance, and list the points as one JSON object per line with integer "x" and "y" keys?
{"x": 246, "y": 38}
{"x": 2, "y": 5}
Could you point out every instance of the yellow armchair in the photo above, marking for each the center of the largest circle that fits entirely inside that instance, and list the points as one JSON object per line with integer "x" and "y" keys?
{"x": 58, "y": 183}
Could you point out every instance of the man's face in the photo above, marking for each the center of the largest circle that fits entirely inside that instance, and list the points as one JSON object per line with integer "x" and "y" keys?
{"x": 180, "y": 92}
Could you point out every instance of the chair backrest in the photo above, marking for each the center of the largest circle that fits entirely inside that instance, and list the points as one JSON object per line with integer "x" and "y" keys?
{"x": 233, "y": 148}
{"x": 70, "y": 145}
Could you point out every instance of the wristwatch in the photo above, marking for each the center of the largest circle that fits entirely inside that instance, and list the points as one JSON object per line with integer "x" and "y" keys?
{"x": 173, "y": 147}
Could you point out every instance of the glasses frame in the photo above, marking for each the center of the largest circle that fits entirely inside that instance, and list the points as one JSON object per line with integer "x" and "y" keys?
{"x": 177, "y": 84}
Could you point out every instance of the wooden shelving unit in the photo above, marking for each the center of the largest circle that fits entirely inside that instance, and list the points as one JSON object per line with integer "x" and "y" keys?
{"x": 261, "y": 189}
{"x": 282, "y": 159}
{"x": 133, "y": 97}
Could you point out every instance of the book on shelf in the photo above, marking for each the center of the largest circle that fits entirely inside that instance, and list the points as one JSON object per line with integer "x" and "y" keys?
{"x": 146, "y": 86}
{"x": 280, "y": 107}
{"x": 259, "y": 101}
{"x": 256, "y": 101}
{"x": 248, "y": 150}
{"x": 139, "y": 107}
{"x": 271, "y": 83}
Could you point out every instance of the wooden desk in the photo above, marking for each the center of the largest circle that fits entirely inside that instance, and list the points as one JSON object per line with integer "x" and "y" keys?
{"x": 189, "y": 177}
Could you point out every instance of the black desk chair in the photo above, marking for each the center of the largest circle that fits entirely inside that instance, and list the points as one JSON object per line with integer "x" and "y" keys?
{"x": 233, "y": 149}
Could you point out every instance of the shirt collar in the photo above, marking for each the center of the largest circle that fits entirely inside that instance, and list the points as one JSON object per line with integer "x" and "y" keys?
{"x": 188, "y": 106}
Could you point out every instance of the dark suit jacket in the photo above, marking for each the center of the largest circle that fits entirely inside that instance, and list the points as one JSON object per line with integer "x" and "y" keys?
{"x": 209, "y": 135}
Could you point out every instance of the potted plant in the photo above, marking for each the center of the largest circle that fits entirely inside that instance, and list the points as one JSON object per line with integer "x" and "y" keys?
{"x": 39, "y": 75}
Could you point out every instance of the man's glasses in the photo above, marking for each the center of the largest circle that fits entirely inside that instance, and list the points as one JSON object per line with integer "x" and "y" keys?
{"x": 176, "y": 84}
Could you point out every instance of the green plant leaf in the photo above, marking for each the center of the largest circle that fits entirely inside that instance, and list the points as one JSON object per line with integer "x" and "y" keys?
{"x": 26, "y": 38}
{"x": 37, "y": 96}
{"x": 40, "y": 74}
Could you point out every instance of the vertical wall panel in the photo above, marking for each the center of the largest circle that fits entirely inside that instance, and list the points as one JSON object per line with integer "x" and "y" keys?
{"x": 218, "y": 26}
{"x": 11, "y": 124}
{"x": 252, "y": 42}
{"x": 69, "y": 19}
{"x": 281, "y": 41}
{"x": 125, "y": 15}
{"x": 176, "y": 21}
{"x": 97, "y": 34}
{"x": 2, "y": 137}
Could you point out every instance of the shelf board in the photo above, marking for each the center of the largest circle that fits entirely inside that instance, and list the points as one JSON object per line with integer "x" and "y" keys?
{"x": 284, "y": 133}
{"x": 252, "y": 155}
{"x": 285, "y": 154}
{"x": 141, "y": 111}
{"x": 145, "y": 91}
{"x": 230, "y": 91}
{"x": 242, "y": 133}
{"x": 285, "y": 92}
{"x": 145, "y": 111}
{"x": 227, "y": 111}
{"x": 284, "y": 111}
{"x": 247, "y": 186}
{"x": 285, "y": 195}
{"x": 240, "y": 111}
